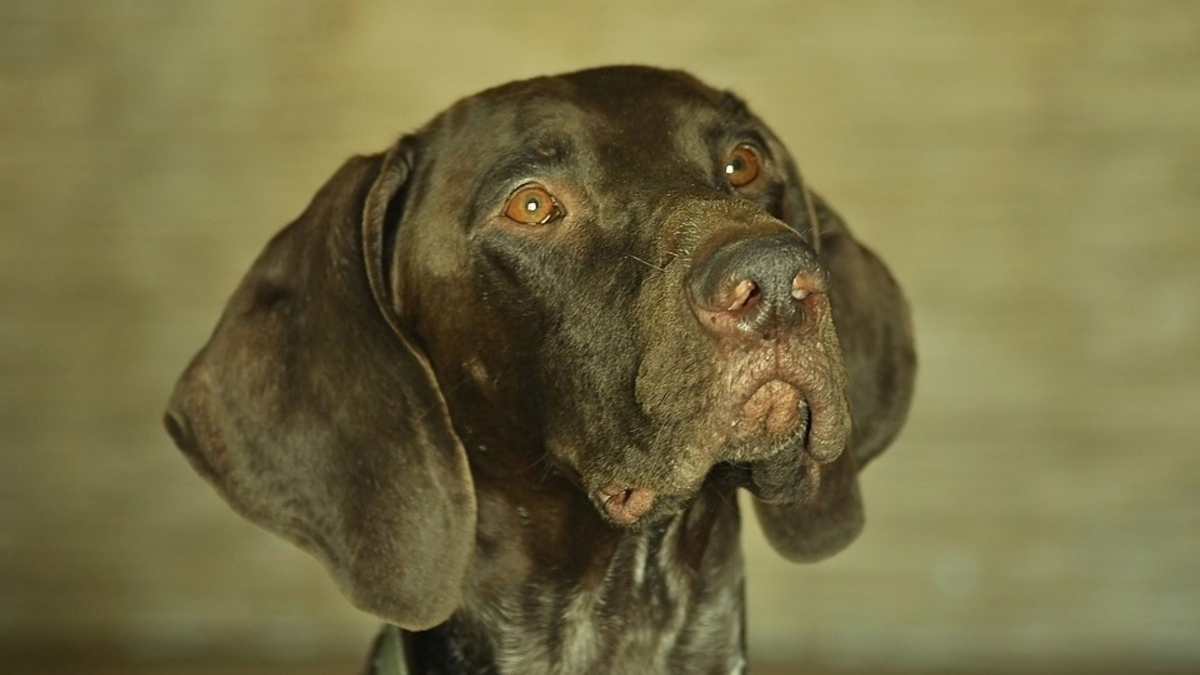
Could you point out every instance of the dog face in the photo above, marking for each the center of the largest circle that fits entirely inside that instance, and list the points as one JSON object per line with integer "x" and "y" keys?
{"x": 614, "y": 278}
{"x": 638, "y": 298}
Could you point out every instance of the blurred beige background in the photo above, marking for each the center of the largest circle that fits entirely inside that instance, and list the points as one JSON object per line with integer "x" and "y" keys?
{"x": 1030, "y": 171}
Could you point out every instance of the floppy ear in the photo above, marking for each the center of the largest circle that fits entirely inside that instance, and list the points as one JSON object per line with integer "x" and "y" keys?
{"x": 873, "y": 325}
{"x": 315, "y": 417}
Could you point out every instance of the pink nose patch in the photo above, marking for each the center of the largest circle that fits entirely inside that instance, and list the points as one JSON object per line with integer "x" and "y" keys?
{"x": 626, "y": 505}
{"x": 774, "y": 408}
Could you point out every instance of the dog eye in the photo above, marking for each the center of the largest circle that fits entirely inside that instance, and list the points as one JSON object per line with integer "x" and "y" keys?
{"x": 742, "y": 166}
{"x": 532, "y": 205}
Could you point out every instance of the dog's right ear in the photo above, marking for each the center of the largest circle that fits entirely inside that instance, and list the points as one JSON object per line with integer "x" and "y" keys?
{"x": 315, "y": 416}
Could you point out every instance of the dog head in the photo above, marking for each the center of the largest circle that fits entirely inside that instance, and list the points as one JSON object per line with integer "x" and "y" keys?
{"x": 616, "y": 277}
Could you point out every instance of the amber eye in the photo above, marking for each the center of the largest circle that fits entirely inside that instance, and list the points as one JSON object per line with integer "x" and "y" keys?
{"x": 532, "y": 205}
{"x": 742, "y": 166}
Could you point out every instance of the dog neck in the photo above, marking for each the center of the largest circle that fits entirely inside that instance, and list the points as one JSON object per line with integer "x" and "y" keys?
{"x": 569, "y": 593}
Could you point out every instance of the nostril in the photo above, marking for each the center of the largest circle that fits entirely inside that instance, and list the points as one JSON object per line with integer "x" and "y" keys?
{"x": 745, "y": 292}
{"x": 804, "y": 285}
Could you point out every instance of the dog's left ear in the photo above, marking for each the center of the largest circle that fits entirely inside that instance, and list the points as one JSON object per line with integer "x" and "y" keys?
{"x": 873, "y": 325}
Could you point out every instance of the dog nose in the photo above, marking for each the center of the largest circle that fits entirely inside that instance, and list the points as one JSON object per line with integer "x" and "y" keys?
{"x": 752, "y": 286}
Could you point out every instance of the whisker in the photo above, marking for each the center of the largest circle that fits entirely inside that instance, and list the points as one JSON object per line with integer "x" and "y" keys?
{"x": 427, "y": 410}
{"x": 814, "y": 223}
{"x": 651, "y": 266}
{"x": 791, "y": 229}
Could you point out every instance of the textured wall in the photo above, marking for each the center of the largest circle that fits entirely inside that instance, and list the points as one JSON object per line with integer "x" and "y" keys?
{"x": 1030, "y": 170}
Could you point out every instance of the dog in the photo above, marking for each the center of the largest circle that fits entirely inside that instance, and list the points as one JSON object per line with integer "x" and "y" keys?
{"x": 505, "y": 379}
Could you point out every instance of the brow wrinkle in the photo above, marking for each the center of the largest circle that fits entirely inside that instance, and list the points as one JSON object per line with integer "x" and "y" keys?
{"x": 731, "y": 105}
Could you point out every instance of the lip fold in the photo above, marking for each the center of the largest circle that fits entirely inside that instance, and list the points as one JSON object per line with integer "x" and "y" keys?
{"x": 829, "y": 428}
{"x": 808, "y": 412}
{"x": 785, "y": 483}
{"x": 783, "y": 434}
{"x": 772, "y": 410}
{"x": 625, "y": 505}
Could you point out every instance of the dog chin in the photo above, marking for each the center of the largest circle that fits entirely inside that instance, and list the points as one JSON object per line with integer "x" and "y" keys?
{"x": 777, "y": 471}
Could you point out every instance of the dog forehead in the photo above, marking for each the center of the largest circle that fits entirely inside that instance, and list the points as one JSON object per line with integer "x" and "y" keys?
{"x": 615, "y": 108}
{"x": 615, "y": 92}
